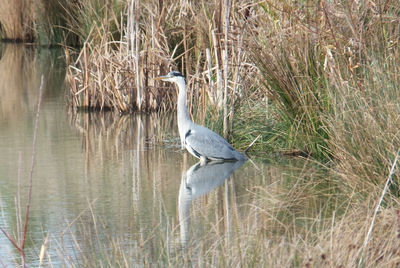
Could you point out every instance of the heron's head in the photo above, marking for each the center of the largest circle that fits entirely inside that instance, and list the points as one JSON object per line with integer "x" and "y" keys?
{"x": 173, "y": 76}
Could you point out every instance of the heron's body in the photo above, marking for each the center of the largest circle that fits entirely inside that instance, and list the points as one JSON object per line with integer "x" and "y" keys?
{"x": 200, "y": 141}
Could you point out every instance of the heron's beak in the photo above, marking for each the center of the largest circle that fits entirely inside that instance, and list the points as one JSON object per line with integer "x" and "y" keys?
{"x": 161, "y": 77}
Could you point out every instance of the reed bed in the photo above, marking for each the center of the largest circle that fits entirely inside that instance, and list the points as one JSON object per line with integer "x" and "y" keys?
{"x": 155, "y": 37}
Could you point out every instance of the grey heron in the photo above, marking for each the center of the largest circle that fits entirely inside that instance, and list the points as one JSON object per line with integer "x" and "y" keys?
{"x": 200, "y": 141}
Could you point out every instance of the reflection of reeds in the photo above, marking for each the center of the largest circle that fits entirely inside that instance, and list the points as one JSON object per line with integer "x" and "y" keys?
{"x": 17, "y": 67}
{"x": 20, "y": 70}
{"x": 107, "y": 135}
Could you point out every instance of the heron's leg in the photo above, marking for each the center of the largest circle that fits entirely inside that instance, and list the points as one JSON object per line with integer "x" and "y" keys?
{"x": 203, "y": 160}
{"x": 217, "y": 161}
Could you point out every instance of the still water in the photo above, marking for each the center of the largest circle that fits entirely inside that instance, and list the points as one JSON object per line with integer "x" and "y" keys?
{"x": 106, "y": 186}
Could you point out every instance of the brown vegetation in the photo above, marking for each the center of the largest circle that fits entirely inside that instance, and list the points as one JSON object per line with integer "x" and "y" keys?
{"x": 16, "y": 19}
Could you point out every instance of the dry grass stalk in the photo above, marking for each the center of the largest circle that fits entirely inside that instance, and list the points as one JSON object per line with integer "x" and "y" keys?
{"x": 28, "y": 202}
{"x": 378, "y": 206}
{"x": 43, "y": 250}
{"x": 20, "y": 246}
{"x": 227, "y": 10}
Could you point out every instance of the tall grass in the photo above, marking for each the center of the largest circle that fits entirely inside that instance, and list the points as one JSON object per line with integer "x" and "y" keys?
{"x": 330, "y": 73}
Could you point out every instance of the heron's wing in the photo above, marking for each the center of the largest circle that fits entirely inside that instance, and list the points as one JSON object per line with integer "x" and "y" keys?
{"x": 209, "y": 144}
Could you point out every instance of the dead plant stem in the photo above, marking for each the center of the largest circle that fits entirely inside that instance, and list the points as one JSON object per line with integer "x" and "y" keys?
{"x": 20, "y": 248}
{"x": 378, "y": 206}
{"x": 28, "y": 202}
{"x": 226, "y": 68}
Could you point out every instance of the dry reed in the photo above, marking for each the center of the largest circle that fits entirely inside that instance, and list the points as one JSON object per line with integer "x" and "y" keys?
{"x": 20, "y": 245}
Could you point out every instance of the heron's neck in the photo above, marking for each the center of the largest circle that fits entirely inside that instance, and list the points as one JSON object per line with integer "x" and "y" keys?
{"x": 183, "y": 114}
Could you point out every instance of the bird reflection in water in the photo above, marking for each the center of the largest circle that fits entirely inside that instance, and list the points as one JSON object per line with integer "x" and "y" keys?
{"x": 198, "y": 181}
